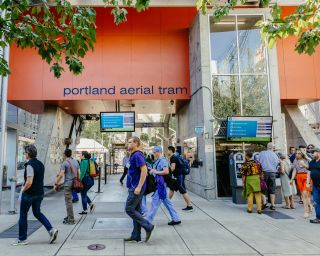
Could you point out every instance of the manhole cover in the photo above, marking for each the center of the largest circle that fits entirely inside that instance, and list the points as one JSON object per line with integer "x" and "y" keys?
{"x": 96, "y": 247}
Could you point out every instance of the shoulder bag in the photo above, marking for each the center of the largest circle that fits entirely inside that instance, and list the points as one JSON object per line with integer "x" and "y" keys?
{"x": 77, "y": 184}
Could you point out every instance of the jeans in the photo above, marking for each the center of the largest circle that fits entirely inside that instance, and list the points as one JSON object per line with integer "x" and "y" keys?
{"x": 316, "y": 199}
{"x": 87, "y": 184}
{"x": 133, "y": 208}
{"x": 68, "y": 200}
{"x": 26, "y": 202}
{"x": 125, "y": 172}
{"x": 155, "y": 204}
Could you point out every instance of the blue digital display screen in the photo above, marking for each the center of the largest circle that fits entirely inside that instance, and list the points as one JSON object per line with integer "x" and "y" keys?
{"x": 117, "y": 122}
{"x": 251, "y": 129}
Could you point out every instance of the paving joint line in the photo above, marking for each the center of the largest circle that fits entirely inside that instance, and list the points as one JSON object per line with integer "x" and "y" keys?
{"x": 230, "y": 231}
{"x": 74, "y": 229}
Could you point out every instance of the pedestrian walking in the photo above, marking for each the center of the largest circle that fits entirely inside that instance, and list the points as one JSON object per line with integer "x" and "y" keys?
{"x": 87, "y": 181}
{"x": 69, "y": 170}
{"x": 32, "y": 196}
{"x": 160, "y": 169}
{"x": 270, "y": 163}
{"x": 251, "y": 172}
{"x": 314, "y": 168}
{"x": 136, "y": 185}
{"x": 125, "y": 164}
{"x": 288, "y": 190}
{"x": 179, "y": 185}
{"x": 300, "y": 172}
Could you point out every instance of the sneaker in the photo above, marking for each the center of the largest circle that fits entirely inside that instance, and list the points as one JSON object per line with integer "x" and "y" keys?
{"x": 272, "y": 207}
{"x": 144, "y": 214}
{"x": 75, "y": 200}
{"x": 188, "y": 209}
{"x": 148, "y": 234}
{"x": 315, "y": 221}
{"x": 83, "y": 213}
{"x": 19, "y": 242}
{"x": 172, "y": 223}
{"x": 264, "y": 206}
{"x": 67, "y": 222}
{"x": 53, "y": 235}
{"x": 259, "y": 212}
{"x": 92, "y": 207}
{"x": 131, "y": 240}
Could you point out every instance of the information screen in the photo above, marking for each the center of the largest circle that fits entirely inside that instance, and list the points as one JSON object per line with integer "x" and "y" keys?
{"x": 117, "y": 121}
{"x": 249, "y": 129}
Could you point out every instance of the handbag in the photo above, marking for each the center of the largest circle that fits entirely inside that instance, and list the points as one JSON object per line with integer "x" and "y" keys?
{"x": 263, "y": 184}
{"x": 77, "y": 184}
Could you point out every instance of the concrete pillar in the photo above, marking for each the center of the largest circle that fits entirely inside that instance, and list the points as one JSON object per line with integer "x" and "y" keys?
{"x": 11, "y": 156}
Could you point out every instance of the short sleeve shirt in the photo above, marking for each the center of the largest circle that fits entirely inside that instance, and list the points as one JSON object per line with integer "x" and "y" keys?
{"x": 251, "y": 168}
{"x": 314, "y": 168}
{"x": 30, "y": 171}
{"x": 299, "y": 169}
{"x": 175, "y": 160}
{"x": 136, "y": 162}
{"x": 160, "y": 164}
{"x": 68, "y": 173}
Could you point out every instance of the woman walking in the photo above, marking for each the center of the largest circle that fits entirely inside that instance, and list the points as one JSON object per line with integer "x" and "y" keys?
{"x": 251, "y": 172}
{"x": 87, "y": 181}
{"x": 286, "y": 187}
{"x": 300, "y": 172}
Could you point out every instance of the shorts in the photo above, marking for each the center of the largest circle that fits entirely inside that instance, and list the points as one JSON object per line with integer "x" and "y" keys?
{"x": 177, "y": 184}
{"x": 270, "y": 179}
{"x": 302, "y": 182}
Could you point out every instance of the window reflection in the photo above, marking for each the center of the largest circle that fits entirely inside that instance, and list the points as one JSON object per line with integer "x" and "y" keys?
{"x": 224, "y": 46}
{"x": 226, "y": 95}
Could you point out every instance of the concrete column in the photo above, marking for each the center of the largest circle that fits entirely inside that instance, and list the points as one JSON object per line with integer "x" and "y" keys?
{"x": 11, "y": 156}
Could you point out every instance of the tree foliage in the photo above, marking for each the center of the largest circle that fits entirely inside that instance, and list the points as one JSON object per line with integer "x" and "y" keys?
{"x": 304, "y": 23}
{"x": 92, "y": 131}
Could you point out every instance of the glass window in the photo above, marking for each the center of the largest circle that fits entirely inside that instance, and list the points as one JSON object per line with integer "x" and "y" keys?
{"x": 251, "y": 50}
{"x": 226, "y": 95}
{"x": 255, "y": 95}
{"x": 223, "y": 38}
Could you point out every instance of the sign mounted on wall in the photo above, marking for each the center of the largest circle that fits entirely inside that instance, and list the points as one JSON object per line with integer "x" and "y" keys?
{"x": 199, "y": 130}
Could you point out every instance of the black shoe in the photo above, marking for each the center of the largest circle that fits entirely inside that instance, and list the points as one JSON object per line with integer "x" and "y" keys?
{"x": 259, "y": 212}
{"x": 75, "y": 200}
{"x": 272, "y": 207}
{"x": 249, "y": 211}
{"x": 264, "y": 206}
{"x": 121, "y": 183}
{"x": 131, "y": 240}
{"x": 172, "y": 223}
{"x": 188, "y": 209}
{"x": 83, "y": 213}
{"x": 315, "y": 221}
{"x": 66, "y": 222}
{"x": 148, "y": 234}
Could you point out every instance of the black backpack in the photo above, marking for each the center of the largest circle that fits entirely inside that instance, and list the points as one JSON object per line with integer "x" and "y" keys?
{"x": 151, "y": 184}
{"x": 184, "y": 167}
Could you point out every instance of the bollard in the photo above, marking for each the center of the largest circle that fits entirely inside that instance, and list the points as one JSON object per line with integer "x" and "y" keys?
{"x": 99, "y": 181}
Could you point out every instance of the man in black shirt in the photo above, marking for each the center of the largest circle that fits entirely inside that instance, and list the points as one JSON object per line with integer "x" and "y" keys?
{"x": 174, "y": 166}
{"x": 314, "y": 168}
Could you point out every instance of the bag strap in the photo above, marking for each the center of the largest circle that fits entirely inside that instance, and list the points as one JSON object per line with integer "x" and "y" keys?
{"x": 75, "y": 173}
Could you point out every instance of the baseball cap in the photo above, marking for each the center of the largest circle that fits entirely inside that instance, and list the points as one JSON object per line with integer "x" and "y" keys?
{"x": 315, "y": 150}
{"x": 157, "y": 149}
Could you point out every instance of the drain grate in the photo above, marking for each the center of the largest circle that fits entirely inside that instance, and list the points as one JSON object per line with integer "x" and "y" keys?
{"x": 96, "y": 247}
{"x": 277, "y": 215}
{"x": 13, "y": 232}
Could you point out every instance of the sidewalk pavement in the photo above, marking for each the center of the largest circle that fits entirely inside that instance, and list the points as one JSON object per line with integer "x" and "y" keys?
{"x": 215, "y": 228}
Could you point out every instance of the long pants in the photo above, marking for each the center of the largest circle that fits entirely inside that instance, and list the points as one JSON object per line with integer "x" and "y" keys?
{"x": 257, "y": 196}
{"x": 155, "y": 204}
{"x": 87, "y": 184}
{"x": 68, "y": 200}
{"x": 125, "y": 172}
{"x": 133, "y": 209}
{"x": 26, "y": 202}
{"x": 316, "y": 199}
{"x": 144, "y": 208}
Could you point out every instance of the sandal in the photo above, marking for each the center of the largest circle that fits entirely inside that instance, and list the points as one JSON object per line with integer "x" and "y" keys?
{"x": 285, "y": 207}
{"x": 248, "y": 211}
{"x": 272, "y": 207}
{"x": 300, "y": 202}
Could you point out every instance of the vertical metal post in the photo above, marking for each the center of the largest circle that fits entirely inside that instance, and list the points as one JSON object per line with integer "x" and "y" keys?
{"x": 99, "y": 181}
{"x": 105, "y": 167}
{"x": 4, "y": 95}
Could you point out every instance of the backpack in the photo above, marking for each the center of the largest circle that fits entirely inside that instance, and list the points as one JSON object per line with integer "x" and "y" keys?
{"x": 184, "y": 167}
{"x": 151, "y": 184}
{"x": 93, "y": 169}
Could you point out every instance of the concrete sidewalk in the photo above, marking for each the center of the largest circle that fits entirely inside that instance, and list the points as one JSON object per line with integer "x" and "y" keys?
{"x": 215, "y": 228}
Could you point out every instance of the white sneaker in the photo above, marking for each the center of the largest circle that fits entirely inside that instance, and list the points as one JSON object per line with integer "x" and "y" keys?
{"x": 18, "y": 242}
{"x": 53, "y": 235}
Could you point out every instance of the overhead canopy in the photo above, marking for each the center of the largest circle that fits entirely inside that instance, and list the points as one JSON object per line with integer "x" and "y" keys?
{"x": 91, "y": 146}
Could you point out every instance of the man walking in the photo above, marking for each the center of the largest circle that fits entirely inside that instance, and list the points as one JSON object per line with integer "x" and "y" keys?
{"x": 32, "y": 195}
{"x": 270, "y": 162}
{"x": 69, "y": 169}
{"x": 136, "y": 185}
{"x": 175, "y": 165}
{"x": 160, "y": 169}
{"x": 314, "y": 168}
{"x": 125, "y": 164}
